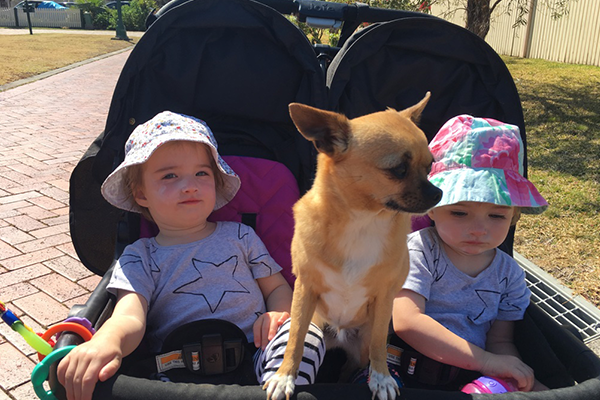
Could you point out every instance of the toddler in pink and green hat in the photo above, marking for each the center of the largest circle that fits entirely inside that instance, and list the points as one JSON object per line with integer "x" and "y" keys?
{"x": 456, "y": 311}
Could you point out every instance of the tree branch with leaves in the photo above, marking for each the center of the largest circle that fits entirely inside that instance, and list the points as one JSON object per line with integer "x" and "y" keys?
{"x": 479, "y": 13}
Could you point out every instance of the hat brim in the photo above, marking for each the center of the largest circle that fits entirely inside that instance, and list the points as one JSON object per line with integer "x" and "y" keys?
{"x": 116, "y": 191}
{"x": 489, "y": 185}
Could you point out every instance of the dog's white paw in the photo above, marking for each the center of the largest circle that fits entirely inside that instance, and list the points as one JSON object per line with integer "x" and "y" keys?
{"x": 384, "y": 387}
{"x": 279, "y": 386}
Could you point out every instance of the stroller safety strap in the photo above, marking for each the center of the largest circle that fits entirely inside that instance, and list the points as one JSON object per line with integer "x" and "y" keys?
{"x": 210, "y": 356}
{"x": 413, "y": 365}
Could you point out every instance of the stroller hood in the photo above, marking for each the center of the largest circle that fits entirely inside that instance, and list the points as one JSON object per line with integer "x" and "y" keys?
{"x": 234, "y": 64}
{"x": 238, "y": 64}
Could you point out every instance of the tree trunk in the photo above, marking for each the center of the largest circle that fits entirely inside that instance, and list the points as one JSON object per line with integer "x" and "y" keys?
{"x": 478, "y": 17}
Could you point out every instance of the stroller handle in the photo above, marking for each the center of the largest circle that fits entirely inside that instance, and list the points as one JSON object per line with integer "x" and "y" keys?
{"x": 356, "y": 13}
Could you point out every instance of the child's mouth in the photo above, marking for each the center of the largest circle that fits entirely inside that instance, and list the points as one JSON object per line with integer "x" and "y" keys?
{"x": 190, "y": 201}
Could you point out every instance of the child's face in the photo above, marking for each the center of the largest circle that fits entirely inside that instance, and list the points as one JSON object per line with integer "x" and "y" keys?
{"x": 472, "y": 228}
{"x": 178, "y": 185}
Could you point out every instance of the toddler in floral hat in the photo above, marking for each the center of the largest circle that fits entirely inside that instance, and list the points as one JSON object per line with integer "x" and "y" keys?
{"x": 193, "y": 269}
{"x": 454, "y": 316}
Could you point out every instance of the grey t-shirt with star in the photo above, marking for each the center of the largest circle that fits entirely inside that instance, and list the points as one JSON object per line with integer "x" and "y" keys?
{"x": 212, "y": 278}
{"x": 465, "y": 305}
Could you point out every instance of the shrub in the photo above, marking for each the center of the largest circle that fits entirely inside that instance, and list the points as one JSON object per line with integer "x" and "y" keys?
{"x": 100, "y": 18}
{"x": 134, "y": 16}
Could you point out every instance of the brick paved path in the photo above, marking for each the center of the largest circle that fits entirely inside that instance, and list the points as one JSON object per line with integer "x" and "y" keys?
{"x": 45, "y": 127}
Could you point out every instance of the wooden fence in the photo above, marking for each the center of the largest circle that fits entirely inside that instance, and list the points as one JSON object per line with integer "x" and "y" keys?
{"x": 573, "y": 38}
{"x": 42, "y": 18}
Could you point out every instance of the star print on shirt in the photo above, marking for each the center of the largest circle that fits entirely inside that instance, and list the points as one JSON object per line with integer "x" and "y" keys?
{"x": 504, "y": 305}
{"x": 483, "y": 294}
{"x": 153, "y": 265}
{"x": 240, "y": 234}
{"x": 438, "y": 273}
{"x": 258, "y": 262}
{"x": 211, "y": 272}
{"x": 127, "y": 259}
{"x": 437, "y": 269}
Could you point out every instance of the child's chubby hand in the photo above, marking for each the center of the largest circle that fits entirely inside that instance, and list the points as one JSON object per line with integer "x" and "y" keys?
{"x": 266, "y": 327}
{"x": 511, "y": 367}
{"x": 89, "y": 362}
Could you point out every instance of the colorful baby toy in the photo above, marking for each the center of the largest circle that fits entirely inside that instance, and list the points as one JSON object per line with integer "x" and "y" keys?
{"x": 44, "y": 345}
{"x": 485, "y": 384}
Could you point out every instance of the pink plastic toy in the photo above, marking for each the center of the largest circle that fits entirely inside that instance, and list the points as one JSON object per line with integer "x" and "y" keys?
{"x": 485, "y": 384}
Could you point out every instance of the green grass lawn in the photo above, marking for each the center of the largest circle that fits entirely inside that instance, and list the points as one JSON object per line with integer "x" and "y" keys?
{"x": 23, "y": 56}
{"x": 561, "y": 104}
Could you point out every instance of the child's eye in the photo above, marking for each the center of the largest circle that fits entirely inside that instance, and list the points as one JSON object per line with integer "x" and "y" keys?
{"x": 169, "y": 176}
{"x": 497, "y": 216}
{"x": 202, "y": 173}
{"x": 458, "y": 213}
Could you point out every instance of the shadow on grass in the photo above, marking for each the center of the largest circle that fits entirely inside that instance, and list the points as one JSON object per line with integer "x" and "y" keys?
{"x": 563, "y": 129}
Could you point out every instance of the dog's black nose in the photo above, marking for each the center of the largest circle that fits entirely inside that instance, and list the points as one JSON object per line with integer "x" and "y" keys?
{"x": 434, "y": 194}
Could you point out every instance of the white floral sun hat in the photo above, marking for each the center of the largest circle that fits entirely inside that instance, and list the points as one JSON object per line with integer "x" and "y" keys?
{"x": 146, "y": 138}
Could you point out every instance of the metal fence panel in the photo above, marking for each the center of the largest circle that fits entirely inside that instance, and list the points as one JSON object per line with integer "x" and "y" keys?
{"x": 572, "y": 38}
{"x": 506, "y": 36}
{"x": 7, "y": 17}
{"x": 50, "y": 18}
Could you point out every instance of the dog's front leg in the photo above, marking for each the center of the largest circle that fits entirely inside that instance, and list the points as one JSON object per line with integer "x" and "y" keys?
{"x": 282, "y": 383}
{"x": 381, "y": 383}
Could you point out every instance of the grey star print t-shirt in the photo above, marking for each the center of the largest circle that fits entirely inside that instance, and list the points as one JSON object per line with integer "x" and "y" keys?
{"x": 212, "y": 278}
{"x": 465, "y": 305}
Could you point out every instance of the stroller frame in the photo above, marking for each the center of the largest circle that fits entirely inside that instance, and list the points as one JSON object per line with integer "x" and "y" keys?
{"x": 390, "y": 63}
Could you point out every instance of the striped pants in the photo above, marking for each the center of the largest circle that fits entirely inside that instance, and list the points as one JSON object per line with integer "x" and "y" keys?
{"x": 266, "y": 362}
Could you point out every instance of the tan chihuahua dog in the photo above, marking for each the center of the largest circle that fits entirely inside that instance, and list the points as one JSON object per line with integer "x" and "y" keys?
{"x": 349, "y": 250}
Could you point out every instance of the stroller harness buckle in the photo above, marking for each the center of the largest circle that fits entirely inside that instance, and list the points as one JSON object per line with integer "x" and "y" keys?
{"x": 413, "y": 365}
{"x": 211, "y": 356}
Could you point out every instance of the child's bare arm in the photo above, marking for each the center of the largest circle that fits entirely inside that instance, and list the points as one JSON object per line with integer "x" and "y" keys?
{"x": 433, "y": 340}
{"x": 500, "y": 340}
{"x": 428, "y": 336}
{"x": 278, "y": 298}
{"x": 101, "y": 357}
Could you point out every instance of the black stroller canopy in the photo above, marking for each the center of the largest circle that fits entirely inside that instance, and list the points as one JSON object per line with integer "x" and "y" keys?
{"x": 235, "y": 64}
{"x": 393, "y": 64}
{"x": 229, "y": 62}
{"x": 238, "y": 64}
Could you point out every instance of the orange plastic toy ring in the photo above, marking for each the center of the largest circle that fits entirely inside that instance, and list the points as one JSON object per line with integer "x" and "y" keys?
{"x": 66, "y": 327}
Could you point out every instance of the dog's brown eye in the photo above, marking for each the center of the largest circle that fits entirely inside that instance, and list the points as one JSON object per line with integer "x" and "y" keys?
{"x": 399, "y": 171}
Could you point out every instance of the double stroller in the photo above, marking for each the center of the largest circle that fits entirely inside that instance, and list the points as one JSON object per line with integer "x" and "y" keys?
{"x": 237, "y": 64}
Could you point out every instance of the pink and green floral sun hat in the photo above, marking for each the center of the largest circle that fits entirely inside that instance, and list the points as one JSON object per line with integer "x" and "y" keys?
{"x": 149, "y": 136}
{"x": 481, "y": 159}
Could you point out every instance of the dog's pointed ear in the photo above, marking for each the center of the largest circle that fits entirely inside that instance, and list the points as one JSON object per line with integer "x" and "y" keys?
{"x": 329, "y": 131}
{"x": 414, "y": 113}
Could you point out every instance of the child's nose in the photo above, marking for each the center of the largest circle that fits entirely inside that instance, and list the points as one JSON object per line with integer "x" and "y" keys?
{"x": 189, "y": 185}
{"x": 478, "y": 228}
